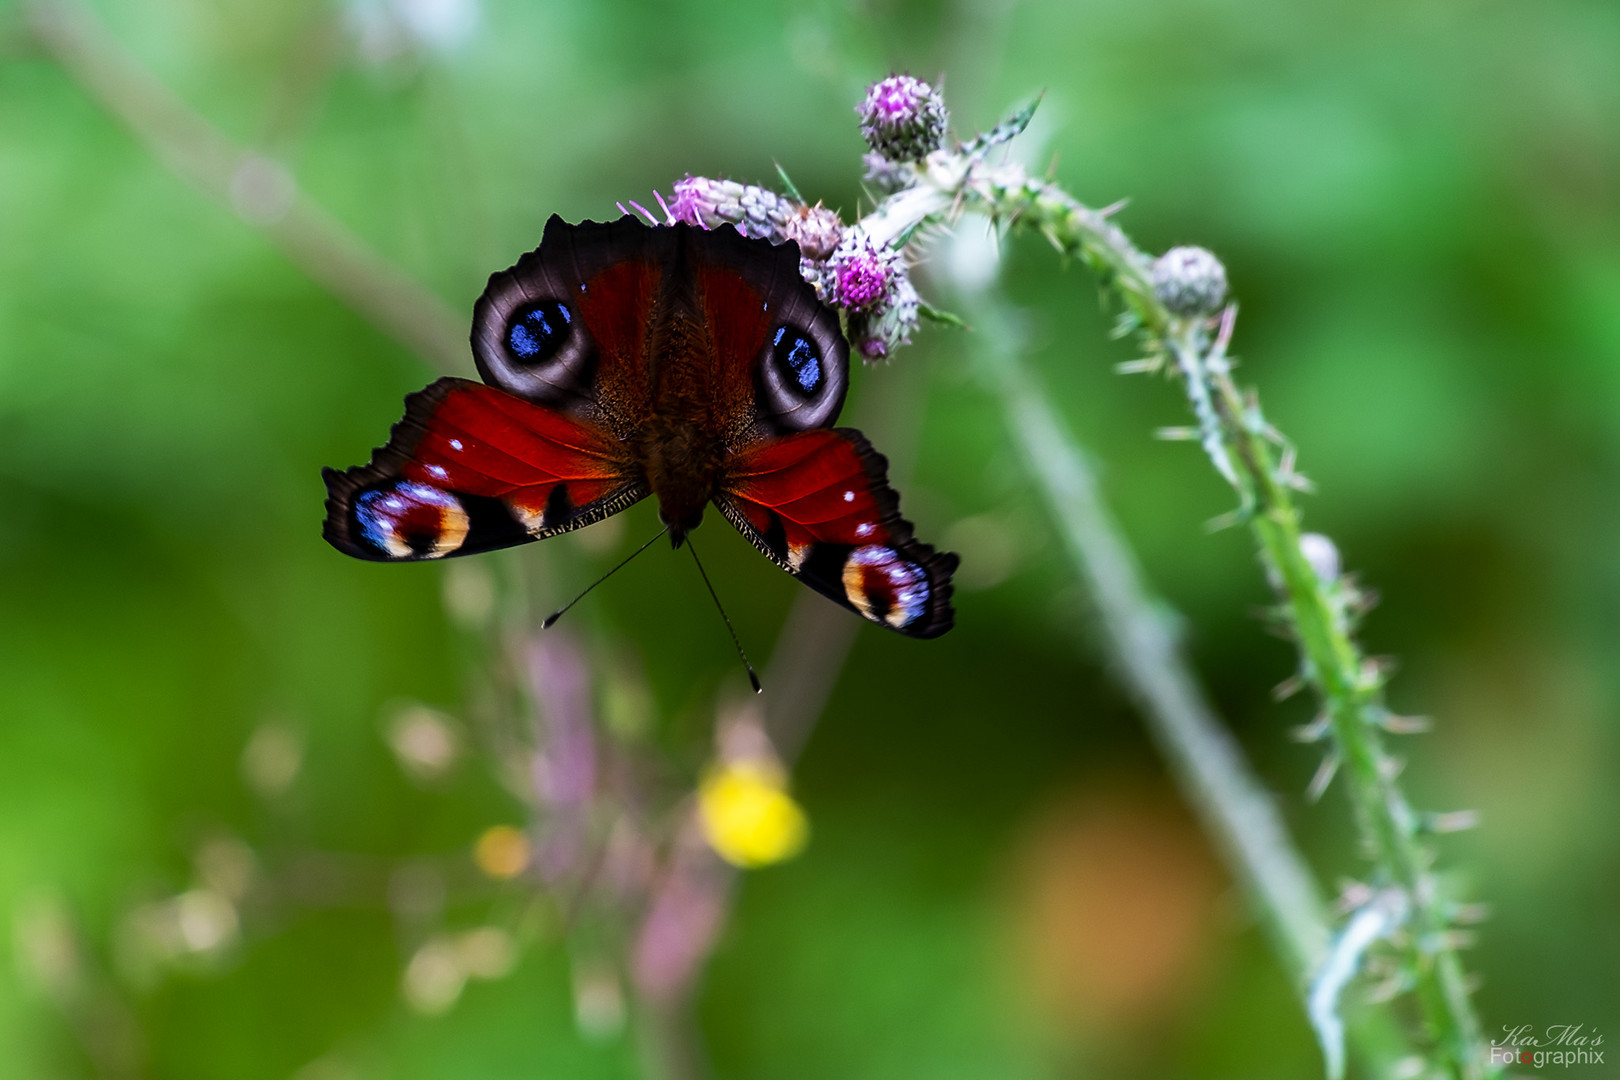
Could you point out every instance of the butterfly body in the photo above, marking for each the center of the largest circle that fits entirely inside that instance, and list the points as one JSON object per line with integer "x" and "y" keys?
{"x": 622, "y": 360}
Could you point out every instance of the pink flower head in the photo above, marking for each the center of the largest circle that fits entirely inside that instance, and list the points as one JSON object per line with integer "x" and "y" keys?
{"x": 863, "y": 273}
{"x": 862, "y": 281}
{"x": 896, "y": 97}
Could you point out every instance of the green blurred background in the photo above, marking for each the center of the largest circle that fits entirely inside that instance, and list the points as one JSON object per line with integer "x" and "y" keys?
{"x": 1419, "y": 207}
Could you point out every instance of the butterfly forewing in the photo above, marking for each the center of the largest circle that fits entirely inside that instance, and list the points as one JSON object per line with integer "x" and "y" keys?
{"x": 569, "y": 325}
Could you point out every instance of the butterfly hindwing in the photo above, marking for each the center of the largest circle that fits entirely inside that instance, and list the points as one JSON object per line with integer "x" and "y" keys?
{"x": 819, "y": 505}
{"x": 471, "y": 468}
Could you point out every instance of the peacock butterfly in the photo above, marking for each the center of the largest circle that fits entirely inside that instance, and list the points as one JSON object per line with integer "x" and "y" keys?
{"x": 621, "y": 360}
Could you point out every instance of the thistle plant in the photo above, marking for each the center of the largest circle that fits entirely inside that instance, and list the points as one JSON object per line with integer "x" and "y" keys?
{"x": 1176, "y": 306}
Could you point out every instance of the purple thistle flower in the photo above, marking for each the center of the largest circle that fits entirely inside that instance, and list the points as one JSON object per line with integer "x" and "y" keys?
{"x": 903, "y": 118}
{"x": 861, "y": 281}
{"x": 862, "y": 273}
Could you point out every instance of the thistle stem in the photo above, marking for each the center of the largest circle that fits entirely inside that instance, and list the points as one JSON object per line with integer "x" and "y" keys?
{"x": 1238, "y": 441}
{"x": 1143, "y": 647}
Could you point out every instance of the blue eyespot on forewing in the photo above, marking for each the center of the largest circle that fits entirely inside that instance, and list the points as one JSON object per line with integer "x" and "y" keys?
{"x": 536, "y": 332}
{"x": 796, "y": 358}
{"x": 800, "y": 376}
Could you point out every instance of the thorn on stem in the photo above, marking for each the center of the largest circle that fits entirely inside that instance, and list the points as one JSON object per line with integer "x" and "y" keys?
{"x": 1375, "y": 672}
{"x": 1287, "y": 688}
{"x": 1450, "y": 821}
{"x": 1315, "y": 731}
{"x": 1403, "y": 725}
{"x": 1455, "y": 940}
{"x": 1390, "y": 988}
{"x": 1324, "y": 776}
{"x": 1176, "y": 434}
{"x": 1360, "y": 598}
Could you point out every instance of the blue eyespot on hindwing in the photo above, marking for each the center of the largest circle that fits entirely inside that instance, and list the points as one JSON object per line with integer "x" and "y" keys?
{"x": 884, "y": 586}
{"x": 402, "y": 519}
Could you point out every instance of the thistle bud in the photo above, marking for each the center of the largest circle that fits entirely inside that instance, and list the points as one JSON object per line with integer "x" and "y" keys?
{"x": 762, "y": 213}
{"x": 816, "y": 229}
{"x": 709, "y": 203}
{"x": 884, "y": 175}
{"x": 1323, "y": 556}
{"x": 902, "y": 119}
{"x": 1189, "y": 281}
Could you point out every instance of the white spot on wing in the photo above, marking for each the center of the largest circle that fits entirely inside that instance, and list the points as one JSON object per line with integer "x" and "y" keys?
{"x": 455, "y": 444}
{"x": 849, "y": 496}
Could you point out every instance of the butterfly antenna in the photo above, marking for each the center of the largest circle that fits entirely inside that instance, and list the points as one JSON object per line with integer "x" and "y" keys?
{"x": 752, "y": 678}
{"x": 555, "y": 615}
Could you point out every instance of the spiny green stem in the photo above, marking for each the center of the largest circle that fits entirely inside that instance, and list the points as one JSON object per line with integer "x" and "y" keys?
{"x": 1236, "y": 438}
{"x": 1349, "y": 689}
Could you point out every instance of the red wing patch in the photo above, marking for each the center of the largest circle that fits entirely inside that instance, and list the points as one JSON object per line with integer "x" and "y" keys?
{"x": 617, "y": 308}
{"x": 819, "y": 504}
{"x": 471, "y": 468}
{"x": 738, "y": 320}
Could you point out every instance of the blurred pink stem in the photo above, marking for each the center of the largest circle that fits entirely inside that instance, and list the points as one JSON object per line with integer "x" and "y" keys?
{"x": 564, "y": 765}
{"x": 691, "y": 899}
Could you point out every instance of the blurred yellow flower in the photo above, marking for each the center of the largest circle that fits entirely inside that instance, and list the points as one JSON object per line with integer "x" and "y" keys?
{"x": 748, "y": 817}
{"x": 502, "y": 852}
